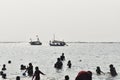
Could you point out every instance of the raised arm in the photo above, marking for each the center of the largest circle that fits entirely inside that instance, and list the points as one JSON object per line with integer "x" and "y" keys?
{"x": 42, "y": 73}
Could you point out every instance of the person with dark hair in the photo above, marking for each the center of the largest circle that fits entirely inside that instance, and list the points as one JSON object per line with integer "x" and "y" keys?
{"x": 98, "y": 70}
{"x": 1, "y": 72}
{"x": 84, "y": 75}
{"x": 62, "y": 57}
{"x": 37, "y": 74}
{"x": 4, "y": 67}
{"x": 22, "y": 67}
{"x": 58, "y": 64}
{"x": 112, "y": 70}
{"x": 9, "y": 62}
{"x": 30, "y": 69}
{"x": 66, "y": 77}
{"x": 18, "y": 78}
{"x": 69, "y": 64}
{"x": 4, "y": 76}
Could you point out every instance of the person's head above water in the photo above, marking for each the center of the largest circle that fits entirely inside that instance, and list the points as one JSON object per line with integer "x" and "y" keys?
{"x": 111, "y": 66}
{"x": 66, "y": 77}
{"x": 98, "y": 67}
{"x": 58, "y": 59}
{"x": 36, "y": 68}
{"x": 30, "y": 64}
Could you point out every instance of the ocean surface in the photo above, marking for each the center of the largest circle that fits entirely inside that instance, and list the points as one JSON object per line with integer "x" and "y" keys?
{"x": 84, "y": 56}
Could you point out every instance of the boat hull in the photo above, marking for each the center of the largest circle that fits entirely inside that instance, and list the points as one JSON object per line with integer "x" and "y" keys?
{"x": 57, "y": 43}
{"x": 35, "y": 43}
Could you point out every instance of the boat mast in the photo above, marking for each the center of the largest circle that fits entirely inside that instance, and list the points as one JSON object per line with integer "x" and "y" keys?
{"x": 30, "y": 39}
{"x": 53, "y": 36}
{"x": 37, "y": 37}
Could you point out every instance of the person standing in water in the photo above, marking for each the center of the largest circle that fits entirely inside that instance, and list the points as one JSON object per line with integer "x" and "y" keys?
{"x": 58, "y": 64}
{"x": 69, "y": 64}
{"x": 113, "y": 71}
{"x": 37, "y": 74}
{"x": 30, "y": 69}
{"x": 62, "y": 57}
{"x": 4, "y": 67}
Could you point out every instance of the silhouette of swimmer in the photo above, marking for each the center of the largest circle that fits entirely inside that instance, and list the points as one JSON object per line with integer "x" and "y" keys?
{"x": 84, "y": 75}
{"x": 66, "y": 77}
{"x": 30, "y": 69}
{"x": 98, "y": 70}
{"x": 58, "y": 64}
{"x": 62, "y": 57}
{"x": 37, "y": 74}
{"x": 18, "y": 78}
{"x": 4, "y": 67}
{"x": 3, "y": 75}
{"x": 9, "y": 62}
{"x": 22, "y": 67}
{"x": 113, "y": 71}
{"x": 69, "y": 64}
{"x": 1, "y": 72}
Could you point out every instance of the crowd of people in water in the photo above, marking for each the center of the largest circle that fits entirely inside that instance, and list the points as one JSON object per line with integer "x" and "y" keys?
{"x": 35, "y": 75}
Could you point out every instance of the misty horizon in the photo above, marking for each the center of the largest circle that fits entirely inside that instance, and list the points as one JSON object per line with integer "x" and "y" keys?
{"x": 69, "y": 20}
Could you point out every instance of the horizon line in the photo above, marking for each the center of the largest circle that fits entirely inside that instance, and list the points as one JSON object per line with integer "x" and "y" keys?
{"x": 66, "y": 41}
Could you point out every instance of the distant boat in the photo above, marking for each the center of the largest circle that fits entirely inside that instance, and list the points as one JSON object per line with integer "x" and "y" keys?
{"x": 57, "y": 42}
{"x": 35, "y": 42}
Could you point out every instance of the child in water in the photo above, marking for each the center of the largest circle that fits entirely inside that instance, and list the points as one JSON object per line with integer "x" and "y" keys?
{"x": 69, "y": 64}
{"x": 62, "y": 57}
{"x": 98, "y": 71}
{"x": 4, "y": 67}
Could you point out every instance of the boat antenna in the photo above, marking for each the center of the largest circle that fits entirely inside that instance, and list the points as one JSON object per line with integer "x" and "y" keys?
{"x": 37, "y": 37}
{"x": 30, "y": 39}
{"x": 53, "y": 36}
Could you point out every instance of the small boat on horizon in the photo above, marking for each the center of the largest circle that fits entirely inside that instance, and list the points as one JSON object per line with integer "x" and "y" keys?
{"x": 56, "y": 42}
{"x": 35, "y": 42}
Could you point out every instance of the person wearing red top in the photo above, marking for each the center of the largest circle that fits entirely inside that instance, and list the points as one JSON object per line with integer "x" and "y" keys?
{"x": 84, "y": 75}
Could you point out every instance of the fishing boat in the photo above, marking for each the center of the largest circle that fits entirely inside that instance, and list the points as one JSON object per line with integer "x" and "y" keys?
{"x": 56, "y": 42}
{"x": 35, "y": 42}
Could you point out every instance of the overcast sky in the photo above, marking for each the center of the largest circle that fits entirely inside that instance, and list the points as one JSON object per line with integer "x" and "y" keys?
{"x": 69, "y": 20}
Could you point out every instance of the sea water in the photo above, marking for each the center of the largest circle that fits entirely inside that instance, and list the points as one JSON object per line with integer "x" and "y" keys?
{"x": 84, "y": 56}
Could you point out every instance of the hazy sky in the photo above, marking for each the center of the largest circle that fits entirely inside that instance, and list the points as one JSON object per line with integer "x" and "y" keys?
{"x": 71, "y": 20}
